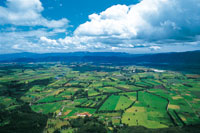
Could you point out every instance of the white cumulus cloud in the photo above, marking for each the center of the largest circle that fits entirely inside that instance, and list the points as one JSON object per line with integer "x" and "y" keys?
{"x": 160, "y": 22}
{"x": 149, "y": 19}
{"x": 27, "y": 13}
{"x": 155, "y": 47}
{"x": 48, "y": 41}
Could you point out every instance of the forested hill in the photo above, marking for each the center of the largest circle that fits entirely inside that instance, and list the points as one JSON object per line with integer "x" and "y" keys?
{"x": 176, "y": 57}
{"x": 176, "y": 60}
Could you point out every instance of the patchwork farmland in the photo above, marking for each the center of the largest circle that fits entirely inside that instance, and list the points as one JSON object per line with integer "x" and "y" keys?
{"x": 119, "y": 95}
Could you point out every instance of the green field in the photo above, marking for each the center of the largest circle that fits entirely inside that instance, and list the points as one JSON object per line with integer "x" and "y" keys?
{"x": 152, "y": 101}
{"x": 140, "y": 115}
{"x": 47, "y": 108}
{"x": 123, "y": 103}
{"x": 49, "y": 99}
{"x": 110, "y": 103}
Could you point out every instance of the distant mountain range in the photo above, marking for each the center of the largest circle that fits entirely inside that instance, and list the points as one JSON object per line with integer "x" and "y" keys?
{"x": 177, "y": 60}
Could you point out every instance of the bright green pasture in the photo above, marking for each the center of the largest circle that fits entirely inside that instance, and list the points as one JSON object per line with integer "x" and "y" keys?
{"x": 94, "y": 101}
{"x": 131, "y": 95}
{"x": 143, "y": 84}
{"x": 109, "y": 89}
{"x": 36, "y": 88}
{"x": 139, "y": 115}
{"x": 47, "y": 108}
{"x": 110, "y": 103}
{"x": 160, "y": 92}
{"x": 152, "y": 101}
{"x": 123, "y": 103}
{"x": 151, "y": 81}
{"x": 79, "y": 101}
{"x": 132, "y": 87}
{"x": 92, "y": 92}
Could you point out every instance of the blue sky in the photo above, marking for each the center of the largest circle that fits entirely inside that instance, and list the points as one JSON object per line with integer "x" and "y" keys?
{"x": 134, "y": 26}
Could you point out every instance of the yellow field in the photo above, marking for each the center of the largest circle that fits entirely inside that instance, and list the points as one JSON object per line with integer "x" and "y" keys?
{"x": 177, "y": 97}
{"x": 67, "y": 112}
{"x": 171, "y": 106}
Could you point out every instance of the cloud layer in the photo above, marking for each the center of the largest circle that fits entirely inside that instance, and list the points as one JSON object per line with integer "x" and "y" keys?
{"x": 27, "y": 13}
{"x": 150, "y": 21}
{"x": 149, "y": 26}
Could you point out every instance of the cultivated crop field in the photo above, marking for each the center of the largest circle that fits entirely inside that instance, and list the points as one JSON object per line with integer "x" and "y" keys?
{"x": 117, "y": 95}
